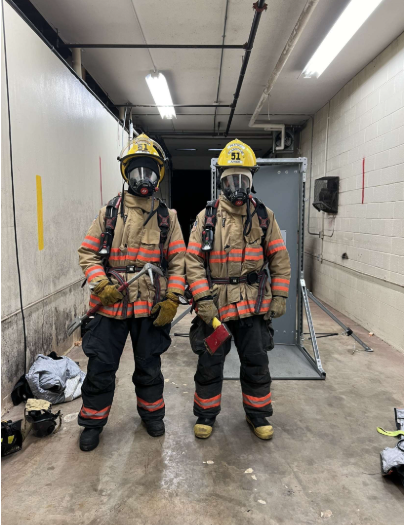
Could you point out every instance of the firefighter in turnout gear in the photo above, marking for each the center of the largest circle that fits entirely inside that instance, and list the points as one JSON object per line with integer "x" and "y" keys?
{"x": 133, "y": 229}
{"x": 231, "y": 242}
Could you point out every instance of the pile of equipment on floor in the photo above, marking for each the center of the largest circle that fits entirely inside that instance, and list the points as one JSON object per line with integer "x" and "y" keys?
{"x": 392, "y": 459}
{"x": 38, "y": 417}
{"x": 50, "y": 380}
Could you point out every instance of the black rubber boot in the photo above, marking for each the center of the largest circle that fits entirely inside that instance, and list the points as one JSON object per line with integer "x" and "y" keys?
{"x": 89, "y": 439}
{"x": 155, "y": 428}
{"x": 203, "y": 427}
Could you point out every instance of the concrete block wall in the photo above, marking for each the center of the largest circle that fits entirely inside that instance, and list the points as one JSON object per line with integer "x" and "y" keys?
{"x": 62, "y": 133}
{"x": 365, "y": 121}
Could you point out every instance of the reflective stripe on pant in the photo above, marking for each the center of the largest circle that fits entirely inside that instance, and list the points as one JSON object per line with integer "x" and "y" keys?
{"x": 253, "y": 339}
{"x": 103, "y": 344}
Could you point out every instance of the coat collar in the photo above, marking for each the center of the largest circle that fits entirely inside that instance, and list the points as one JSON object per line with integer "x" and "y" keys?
{"x": 228, "y": 207}
{"x": 132, "y": 201}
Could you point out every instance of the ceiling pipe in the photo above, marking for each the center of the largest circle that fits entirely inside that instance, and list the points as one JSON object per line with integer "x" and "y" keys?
{"x": 287, "y": 50}
{"x": 221, "y": 63}
{"x": 259, "y": 7}
{"x": 174, "y": 105}
{"x": 158, "y": 46}
{"x": 76, "y": 62}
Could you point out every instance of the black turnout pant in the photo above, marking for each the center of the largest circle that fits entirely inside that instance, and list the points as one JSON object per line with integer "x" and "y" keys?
{"x": 103, "y": 344}
{"x": 253, "y": 338}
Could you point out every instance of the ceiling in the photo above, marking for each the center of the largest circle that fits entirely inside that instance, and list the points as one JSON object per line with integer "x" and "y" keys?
{"x": 193, "y": 74}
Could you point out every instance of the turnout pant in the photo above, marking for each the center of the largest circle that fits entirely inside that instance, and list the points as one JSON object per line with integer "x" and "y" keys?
{"x": 253, "y": 338}
{"x": 103, "y": 344}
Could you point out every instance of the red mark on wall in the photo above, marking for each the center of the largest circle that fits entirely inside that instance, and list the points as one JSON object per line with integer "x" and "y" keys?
{"x": 101, "y": 182}
{"x": 363, "y": 180}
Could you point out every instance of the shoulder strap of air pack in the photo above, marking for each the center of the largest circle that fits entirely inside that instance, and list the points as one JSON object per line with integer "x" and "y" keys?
{"x": 163, "y": 220}
{"x": 107, "y": 236}
{"x": 208, "y": 233}
{"x": 263, "y": 219}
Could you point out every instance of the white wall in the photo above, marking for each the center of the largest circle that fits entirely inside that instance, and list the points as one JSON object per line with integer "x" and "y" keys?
{"x": 366, "y": 120}
{"x": 60, "y": 131}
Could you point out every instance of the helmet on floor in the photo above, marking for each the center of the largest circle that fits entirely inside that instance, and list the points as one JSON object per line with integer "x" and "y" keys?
{"x": 143, "y": 165}
{"x": 236, "y": 166}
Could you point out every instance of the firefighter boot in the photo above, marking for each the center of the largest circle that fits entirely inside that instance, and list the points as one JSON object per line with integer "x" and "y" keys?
{"x": 155, "y": 428}
{"x": 204, "y": 427}
{"x": 261, "y": 427}
{"x": 89, "y": 439}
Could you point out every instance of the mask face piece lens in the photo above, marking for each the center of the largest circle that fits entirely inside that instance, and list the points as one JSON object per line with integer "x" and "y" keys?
{"x": 236, "y": 188}
{"x": 142, "y": 175}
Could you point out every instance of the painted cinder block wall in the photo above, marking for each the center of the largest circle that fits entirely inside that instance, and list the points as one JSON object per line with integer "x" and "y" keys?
{"x": 60, "y": 131}
{"x": 366, "y": 121}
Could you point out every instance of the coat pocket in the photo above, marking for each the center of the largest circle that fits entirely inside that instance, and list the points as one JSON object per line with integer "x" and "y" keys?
{"x": 149, "y": 250}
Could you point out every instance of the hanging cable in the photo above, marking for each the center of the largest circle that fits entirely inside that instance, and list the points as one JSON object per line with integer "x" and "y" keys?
{"x": 144, "y": 38}
{"x": 13, "y": 193}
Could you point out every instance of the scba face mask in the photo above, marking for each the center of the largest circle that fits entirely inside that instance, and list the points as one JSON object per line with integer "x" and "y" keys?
{"x": 236, "y": 186}
{"x": 143, "y": 177}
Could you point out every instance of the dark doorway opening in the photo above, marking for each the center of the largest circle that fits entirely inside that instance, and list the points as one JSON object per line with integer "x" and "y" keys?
{"x": 190, "y": 191}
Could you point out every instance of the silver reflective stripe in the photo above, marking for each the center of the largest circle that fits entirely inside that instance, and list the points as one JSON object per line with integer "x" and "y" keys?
{"x": 202, "y": 285}
{"x": 158, "y": 404}
{"x": 89, "y": 241}
{"x": 258, "y": 403}
{"x": 277, "y": 244}
{"x": 141, "y": 307}
{"x": 104, "y": 413}
{"x": 208, "y": 404}
{"x": 96, "y": 270}
{"x": 174, "y": 280}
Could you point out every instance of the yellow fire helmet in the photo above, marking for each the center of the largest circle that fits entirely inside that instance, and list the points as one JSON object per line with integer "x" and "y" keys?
{"x": 143, "y": 146}
{"x": 237, "y": 154}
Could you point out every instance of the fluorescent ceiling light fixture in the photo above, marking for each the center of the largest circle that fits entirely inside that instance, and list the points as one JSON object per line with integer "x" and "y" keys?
{"x": 355, "y": 14}
{"x": 185, "y": 149}
{"x": 214, "y": 149}
{"x": 161, "y": 94}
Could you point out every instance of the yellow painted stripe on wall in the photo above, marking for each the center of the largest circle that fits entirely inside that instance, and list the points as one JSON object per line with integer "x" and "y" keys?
{"x": 39, "y": 211}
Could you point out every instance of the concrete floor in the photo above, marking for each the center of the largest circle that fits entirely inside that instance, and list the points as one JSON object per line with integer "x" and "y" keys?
{"x": 324, "y": 455}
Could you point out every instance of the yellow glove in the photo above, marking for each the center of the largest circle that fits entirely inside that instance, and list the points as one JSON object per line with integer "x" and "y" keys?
{"x": 277, "y": 308}
{"x": 107, "y": 292}
{"x": 167, "y": 308}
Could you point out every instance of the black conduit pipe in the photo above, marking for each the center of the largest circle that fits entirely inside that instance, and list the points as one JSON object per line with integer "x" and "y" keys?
{"x": 259, "y": 7}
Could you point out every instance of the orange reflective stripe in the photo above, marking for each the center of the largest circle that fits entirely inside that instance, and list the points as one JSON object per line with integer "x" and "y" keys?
{"x": 221, "y": 257}
{"x": 280, "y": 284}
{"x": 175, "y": 281}
{"x": 275, "y": 246}
{"x": 94, "y": 271}
{"x": 151, "y": 407}
{"x": 243, "y": 307}
{"x": 176, "y": 247}
{"x": 92, "y": 243}
{"x": 207, "y": 403}
{"x": 138, "y": 307}
{"x": 89, "y": 413}
{"x": 195, "y": 248}
{"x": 199, "y": 286}
{"x": 257, "y": 402}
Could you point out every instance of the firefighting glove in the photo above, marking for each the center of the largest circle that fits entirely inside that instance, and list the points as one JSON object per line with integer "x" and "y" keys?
{"x": 166, "y": 309}
{"x": 207, "y": 309}
{"x": 107, "y": 292}
{"x": 277, "y": 308}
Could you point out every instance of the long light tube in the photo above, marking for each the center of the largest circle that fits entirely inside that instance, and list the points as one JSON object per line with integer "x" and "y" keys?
{"x": 161, "y": 94}
{"x": 355, "y": 14}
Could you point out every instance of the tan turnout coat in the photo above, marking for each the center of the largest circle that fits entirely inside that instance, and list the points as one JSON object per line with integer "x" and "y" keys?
{"x": 234, "y": 255}
{"x": 135, "y": 245}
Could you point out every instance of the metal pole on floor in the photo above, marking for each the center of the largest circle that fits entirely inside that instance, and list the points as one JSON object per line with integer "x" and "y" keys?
{"x": 348, "y": 331}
